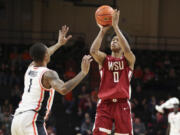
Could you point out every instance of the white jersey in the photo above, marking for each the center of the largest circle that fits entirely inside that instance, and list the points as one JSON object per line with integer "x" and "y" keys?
{"x": 174, "y": 121}
{"x": 35, "y": 96}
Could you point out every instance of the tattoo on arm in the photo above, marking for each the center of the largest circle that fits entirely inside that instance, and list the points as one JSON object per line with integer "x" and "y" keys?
{"x": 54, "y": 81}
{"x": 59, "y": 85}
{"x": 71, "y": 84}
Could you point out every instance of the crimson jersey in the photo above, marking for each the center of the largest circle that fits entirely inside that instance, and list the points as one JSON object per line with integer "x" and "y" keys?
{"x": 115, "y": 79}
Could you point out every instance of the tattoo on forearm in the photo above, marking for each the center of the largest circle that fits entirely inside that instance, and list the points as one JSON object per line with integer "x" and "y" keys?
{"x": 71, "y": 84}
{"x": 59, "y": 85}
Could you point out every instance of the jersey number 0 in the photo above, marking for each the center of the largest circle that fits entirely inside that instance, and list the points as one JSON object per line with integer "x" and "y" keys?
{"x": 116, "y": 76}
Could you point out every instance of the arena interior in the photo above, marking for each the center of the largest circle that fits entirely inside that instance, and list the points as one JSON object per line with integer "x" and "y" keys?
{"x": 153, "y": 27}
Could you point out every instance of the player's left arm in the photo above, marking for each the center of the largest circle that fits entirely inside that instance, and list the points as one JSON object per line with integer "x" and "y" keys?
{"x": 62, "y": 40}
{"x": 123, "y": 42}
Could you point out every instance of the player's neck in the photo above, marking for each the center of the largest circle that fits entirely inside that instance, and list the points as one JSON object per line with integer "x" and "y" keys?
{"x": 117, "y": 54}
{"x": 40, "y": 64}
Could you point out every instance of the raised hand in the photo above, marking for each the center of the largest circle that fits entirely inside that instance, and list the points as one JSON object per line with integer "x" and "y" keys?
{"x": 62, "y": 39}
{"x": 104, "y": 28}
{"x": 115, "y": 18}
{"x": 85, "y": 64}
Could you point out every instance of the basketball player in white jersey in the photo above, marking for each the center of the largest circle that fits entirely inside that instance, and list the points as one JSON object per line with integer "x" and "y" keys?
{"x": 169, "y": 104}
{"x": 40, "y": 85}
{"x": 174, "y": 121}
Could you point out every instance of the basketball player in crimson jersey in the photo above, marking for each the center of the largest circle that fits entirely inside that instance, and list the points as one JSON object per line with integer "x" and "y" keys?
{"x": 40, "y": 85}
{"x": 114, "y": 92}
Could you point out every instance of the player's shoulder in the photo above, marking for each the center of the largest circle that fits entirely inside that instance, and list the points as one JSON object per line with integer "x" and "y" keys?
{"x": 50, "y": 74}
{"x": 170, "y": 114}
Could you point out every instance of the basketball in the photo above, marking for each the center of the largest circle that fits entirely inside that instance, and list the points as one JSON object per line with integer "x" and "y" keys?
{"x": 103, "y": 15}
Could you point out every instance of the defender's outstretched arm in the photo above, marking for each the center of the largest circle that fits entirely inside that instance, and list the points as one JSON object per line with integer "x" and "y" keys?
{"x": 62, "y": 39}
{"x": 64, "y": 87}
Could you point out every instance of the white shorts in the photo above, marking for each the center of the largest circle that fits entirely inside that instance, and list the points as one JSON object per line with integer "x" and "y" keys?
{"x": 28, "y": 123}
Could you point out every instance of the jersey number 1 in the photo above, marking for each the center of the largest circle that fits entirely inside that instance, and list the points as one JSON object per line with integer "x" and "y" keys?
{"x": 116, "y": 76}
{"x": 30, "y": 85}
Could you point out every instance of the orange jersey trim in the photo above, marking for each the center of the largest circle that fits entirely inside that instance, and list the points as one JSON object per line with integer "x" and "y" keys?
{"x": 34, "y": 125}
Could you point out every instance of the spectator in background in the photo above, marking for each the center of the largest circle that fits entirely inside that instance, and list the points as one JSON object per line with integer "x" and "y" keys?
{"x": 14, "y": 56}
{"x": 172, "y": 74}
{"x": 68, "y": 98}
{"x": 138, "y": 72}
{"x": 79, "y": 46}
{"x": 1, "y": 51}
{"x": 160, "y": 124}
{"x": 83, "y": 100}
{"x": 3, "y": 74}
{"x": 15, "y": 96}
{"x": 24, "y": 58}
{"x": 152, "y": 104}
{"x": 69, "y": 74}
{"x": 84, "y": 94}
{"x": 167, "y": 60}
{"x": 1, "y": 116}
{"x": 139, "y": 127}
{"x": 94, "y": 95}
{"x": 138, "y": 93}
{"x": 87, "y": 125}
{"x": 70, "y": 63}
{"x": 91, "y": 107}
{"x": 51, "y": 130}
{"x": 148, "y": 75}
{"x": 13, "y": 78}
{"x": 69, "y": 102}
{"x": 25, "y": 55}
{"x": 7, "y": 107}
{"x": 1, "y": 131}
{"x": 6, "y": 124}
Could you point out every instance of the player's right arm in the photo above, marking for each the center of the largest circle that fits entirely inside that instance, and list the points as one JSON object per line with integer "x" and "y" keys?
{"x": 98, "y": 55}
{"x": 64, "y": 87}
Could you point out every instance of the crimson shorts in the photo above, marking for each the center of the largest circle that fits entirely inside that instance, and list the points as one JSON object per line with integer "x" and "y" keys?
{"x": 115, "y": 111}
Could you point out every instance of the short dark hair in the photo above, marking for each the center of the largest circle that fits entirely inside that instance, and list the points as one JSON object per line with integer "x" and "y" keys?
{"x": 37, "y": 52}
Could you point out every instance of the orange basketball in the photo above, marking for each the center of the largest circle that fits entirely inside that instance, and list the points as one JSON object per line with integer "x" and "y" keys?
{"x": 103, "y": 15}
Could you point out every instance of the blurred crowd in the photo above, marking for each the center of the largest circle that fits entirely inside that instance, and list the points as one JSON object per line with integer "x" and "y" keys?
{"x": 155, "y": 79}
